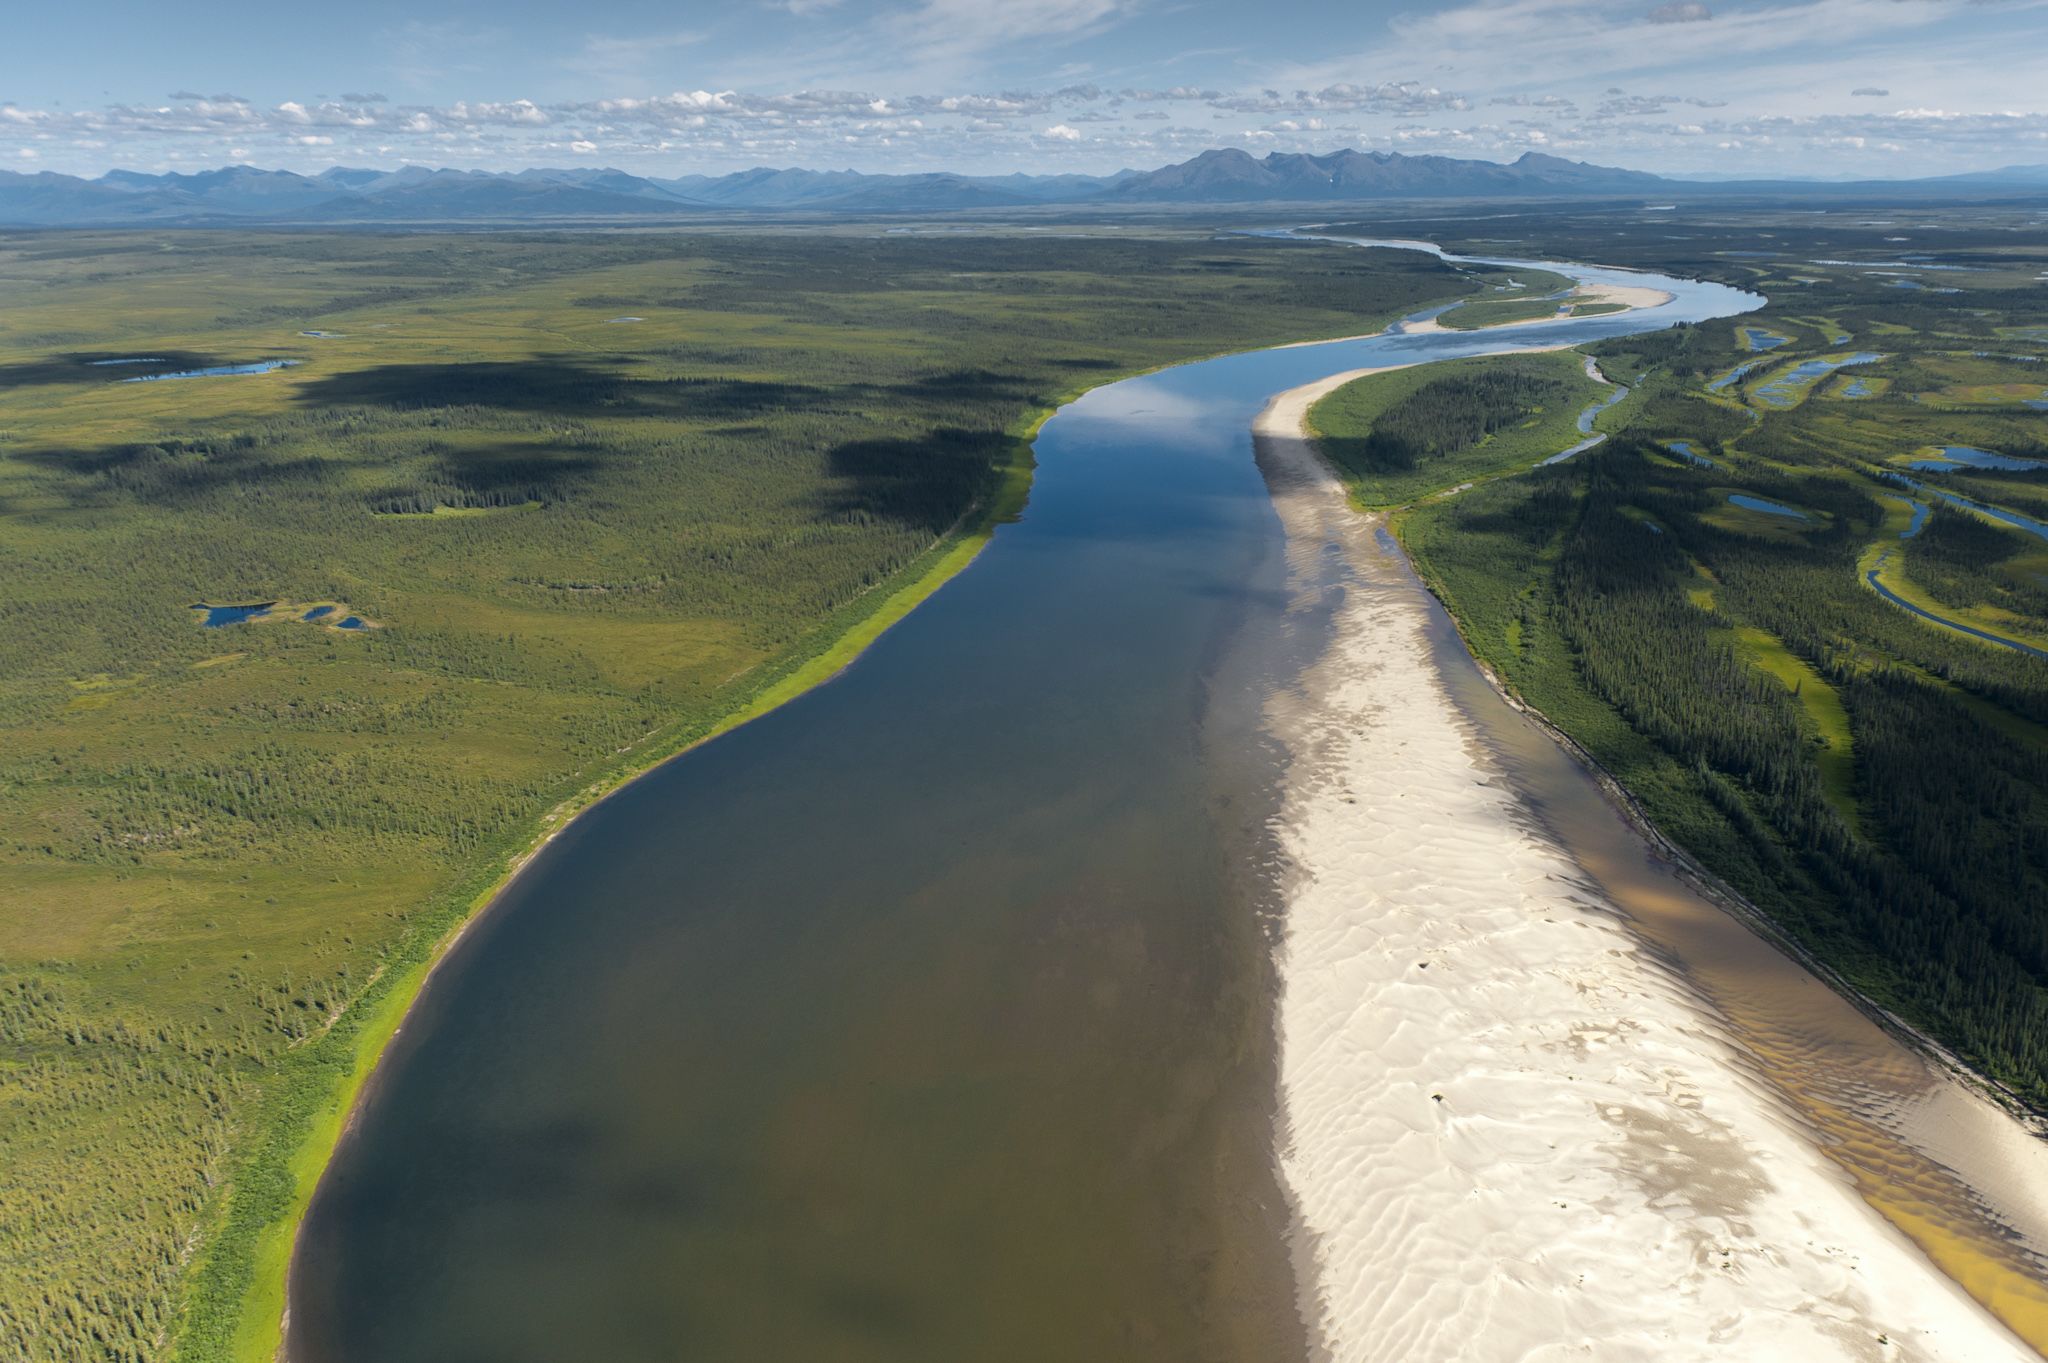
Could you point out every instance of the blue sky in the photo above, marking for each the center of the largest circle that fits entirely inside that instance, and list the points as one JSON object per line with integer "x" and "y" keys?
{"x": 1853, "y": 87}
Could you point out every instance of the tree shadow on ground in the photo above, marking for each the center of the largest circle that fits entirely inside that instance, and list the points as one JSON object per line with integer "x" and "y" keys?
{"x": 558, "y": 386}
{"x": 927, "y": 481}
{"x": 102, "y": 366}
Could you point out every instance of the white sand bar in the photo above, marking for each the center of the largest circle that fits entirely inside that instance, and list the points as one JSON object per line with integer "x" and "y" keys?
{"x": 1513, "y": 1133}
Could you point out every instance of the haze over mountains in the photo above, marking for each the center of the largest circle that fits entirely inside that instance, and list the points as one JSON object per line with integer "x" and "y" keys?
{"x": 416, "y": 194}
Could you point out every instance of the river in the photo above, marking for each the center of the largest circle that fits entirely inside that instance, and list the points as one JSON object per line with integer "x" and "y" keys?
{"x": 932, "y": 1015}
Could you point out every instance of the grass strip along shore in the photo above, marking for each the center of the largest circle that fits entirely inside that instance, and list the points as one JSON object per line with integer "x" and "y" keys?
{"x": 581, "y": 547}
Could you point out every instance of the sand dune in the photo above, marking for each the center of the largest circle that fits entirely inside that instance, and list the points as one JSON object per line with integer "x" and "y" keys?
{"x": 1513, "y": 1134}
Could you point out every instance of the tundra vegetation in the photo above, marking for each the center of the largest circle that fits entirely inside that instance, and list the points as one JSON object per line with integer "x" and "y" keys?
{"x": 586, "y": 495}
{"x": 1408, "y": 432}
{"x": 1873, "y": 780}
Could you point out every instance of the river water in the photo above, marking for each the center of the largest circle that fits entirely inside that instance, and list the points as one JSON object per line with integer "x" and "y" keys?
{"x": 930, "y": 1016}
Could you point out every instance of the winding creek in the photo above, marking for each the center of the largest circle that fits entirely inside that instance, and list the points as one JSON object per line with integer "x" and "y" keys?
{"x": 932, "y": 1016}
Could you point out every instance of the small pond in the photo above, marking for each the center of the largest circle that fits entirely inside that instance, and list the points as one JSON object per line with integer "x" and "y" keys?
{"x": 1953, "y": 455}
{"x": 1732, "y": 375}
{"x": 217, "y": 616}
{"x": 1786, "y": 389}
{"x": 1749, "y": 503}
{"x": 317, "y": 613}
{"x": 1756, "y": 338}
{"x": 214, "y": 371}
{"x": 1684, "y": 450}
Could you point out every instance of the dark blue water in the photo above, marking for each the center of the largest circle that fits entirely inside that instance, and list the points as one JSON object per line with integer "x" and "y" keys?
{"x": 1996, "y": 513}
{"x": 1743, "y": 499}
{"x": 1587, "y": 417}
{"x": 217, "y": 616}
{"x": 925, "y": 1018}
{"x": 1732, "y": 375}
{"x": 1787, "y": 388}
{"x": 214, "y": 371}
{"x": 1684, "y": 450}
{"x": 1952, "y": 455}
{"x": 1958, "y": 626}
{"x": 1756, "y": 338}
{"x": 318, "y": 613}
{"x": 353, "y": 622}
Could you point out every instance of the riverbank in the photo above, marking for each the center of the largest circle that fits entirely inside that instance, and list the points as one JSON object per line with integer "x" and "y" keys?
{"x": 247, "y": 1272}
{"x": 1509, "y": 1118}
{"x": 288, "y": 1169}
{"x": 1611, "y": 299}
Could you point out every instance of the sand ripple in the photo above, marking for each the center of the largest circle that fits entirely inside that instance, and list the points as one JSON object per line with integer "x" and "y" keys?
{"x": 1513, "y": 1133}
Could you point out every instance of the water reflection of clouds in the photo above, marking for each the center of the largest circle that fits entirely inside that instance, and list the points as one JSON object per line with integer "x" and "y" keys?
{"x": 1155, "y": 403}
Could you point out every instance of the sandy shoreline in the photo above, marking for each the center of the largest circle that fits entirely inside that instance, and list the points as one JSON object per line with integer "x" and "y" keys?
{"x": 1512, "y": 1131}
{"x": 1629, "y": 297}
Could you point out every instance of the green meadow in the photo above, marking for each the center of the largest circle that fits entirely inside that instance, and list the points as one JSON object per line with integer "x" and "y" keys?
{"x": 591, "y": 496}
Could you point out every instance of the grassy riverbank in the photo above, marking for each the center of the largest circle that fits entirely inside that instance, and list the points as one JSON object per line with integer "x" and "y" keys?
{"x": 252, "y": 1276}
{"x": 586, "y": 541}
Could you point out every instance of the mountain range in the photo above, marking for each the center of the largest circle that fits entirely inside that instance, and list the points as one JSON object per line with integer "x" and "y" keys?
{"x": 417, "y": 194}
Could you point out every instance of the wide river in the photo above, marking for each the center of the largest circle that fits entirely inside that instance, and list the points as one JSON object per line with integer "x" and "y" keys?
{"x": 932, "y": 1016}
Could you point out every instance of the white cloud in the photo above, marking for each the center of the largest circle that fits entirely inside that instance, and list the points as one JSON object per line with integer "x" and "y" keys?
{"x": 1060, "y": 132}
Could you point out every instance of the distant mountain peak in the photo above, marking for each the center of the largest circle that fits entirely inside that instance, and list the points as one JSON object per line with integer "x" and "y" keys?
{"x": 1221, "y": 175}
